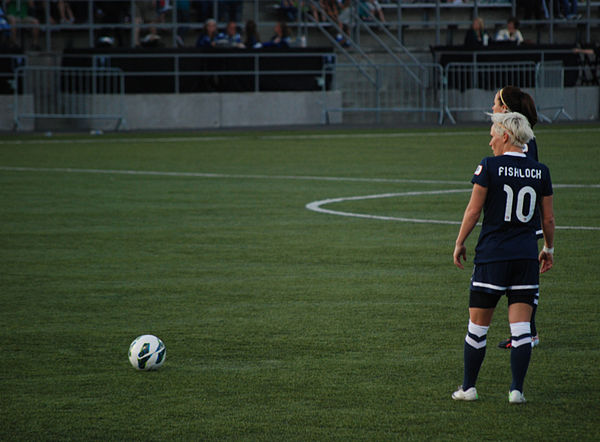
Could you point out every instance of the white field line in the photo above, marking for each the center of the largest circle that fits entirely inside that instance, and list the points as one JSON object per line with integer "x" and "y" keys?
{"x": 251, "y": 176}
{"x": 317, "y": 206}
{"x": 322, "y": 136}
{"x": 223, "y": 175}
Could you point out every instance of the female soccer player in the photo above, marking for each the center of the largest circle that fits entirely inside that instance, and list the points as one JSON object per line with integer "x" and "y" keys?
{"x": 507, "y": 187}
{"x": 513, "y": 99}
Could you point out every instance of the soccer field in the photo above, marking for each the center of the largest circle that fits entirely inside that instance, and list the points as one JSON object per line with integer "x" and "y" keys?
{"x": 302, "y": 282}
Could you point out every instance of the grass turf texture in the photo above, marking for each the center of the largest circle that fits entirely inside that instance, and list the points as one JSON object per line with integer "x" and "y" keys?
{"x": 280, "y": 323}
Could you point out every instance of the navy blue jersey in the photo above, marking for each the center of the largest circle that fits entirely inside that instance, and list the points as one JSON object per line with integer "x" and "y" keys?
{"x": 515, "y": 186}
{"x": 531, "y": 149}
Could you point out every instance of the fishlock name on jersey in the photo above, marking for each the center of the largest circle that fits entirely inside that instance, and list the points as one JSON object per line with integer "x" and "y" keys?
{"x": 517, "y": 172}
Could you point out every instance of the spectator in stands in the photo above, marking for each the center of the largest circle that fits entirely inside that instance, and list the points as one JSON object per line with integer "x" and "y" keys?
{"x": 367, "y": 9}
{"x": 282, "y": 38}
{"x": 230, "y": 38}
{"x": 145, "y": 13}
{"x": 331, "y": 9}
{"x": 344, "y": 20}
{"x": 252, "y": 40}
{"x": 477, "y": 35}
{"x": 511, "y": 33}
{"x": 209, "y": 38}
{"x": 20, "y": 12}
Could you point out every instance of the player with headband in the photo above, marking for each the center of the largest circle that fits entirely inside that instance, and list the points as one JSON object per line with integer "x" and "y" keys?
{"x": 513, "y": 99}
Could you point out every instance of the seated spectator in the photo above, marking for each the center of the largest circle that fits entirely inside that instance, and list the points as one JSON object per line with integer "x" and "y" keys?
{"x": 281, "y": 39}
{"x": 511, "y": 33}
{"x": 331, "y": 9}
{"x": 20, "y": 12}
{"x": 477, "y": 35}
{"x": 252, "y": 40}
{"x": 367, "y": 9}
{"x": 209, "y": 37}
{"x": 230, "y": 38}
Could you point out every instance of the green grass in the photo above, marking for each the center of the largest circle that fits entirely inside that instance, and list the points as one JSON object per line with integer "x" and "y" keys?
{"x": 280, "y": 323}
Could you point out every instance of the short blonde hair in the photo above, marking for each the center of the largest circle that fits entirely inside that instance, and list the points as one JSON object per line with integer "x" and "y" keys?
{"x": 515, "y": 125}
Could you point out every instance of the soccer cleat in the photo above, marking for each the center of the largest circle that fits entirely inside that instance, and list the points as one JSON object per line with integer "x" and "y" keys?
{"x": 516, "y": 397}
{"x": 461, "y": 395}
{"x": 505, "y": 344}
{"x": 535, "y": 341}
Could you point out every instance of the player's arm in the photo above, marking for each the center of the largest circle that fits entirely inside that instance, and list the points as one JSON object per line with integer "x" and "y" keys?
{"x": 470, "y": 218}
{"x": 546, "y": 257}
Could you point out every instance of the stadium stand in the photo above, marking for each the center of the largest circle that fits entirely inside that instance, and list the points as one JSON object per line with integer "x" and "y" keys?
{"x": 410, "y": 48}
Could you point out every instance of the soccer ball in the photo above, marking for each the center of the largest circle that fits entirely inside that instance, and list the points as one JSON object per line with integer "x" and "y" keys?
{"x": 147, "y": 352}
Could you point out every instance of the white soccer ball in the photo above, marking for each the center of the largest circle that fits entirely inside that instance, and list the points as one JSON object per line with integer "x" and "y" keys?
{"x": 147, "y": 352}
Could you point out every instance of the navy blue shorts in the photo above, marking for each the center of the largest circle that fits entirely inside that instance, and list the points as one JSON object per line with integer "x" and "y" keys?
{"x": 518, "y": 280}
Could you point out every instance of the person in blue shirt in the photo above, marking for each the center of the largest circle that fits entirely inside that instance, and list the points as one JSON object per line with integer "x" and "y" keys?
{"x": 281, "y": 39}
{"x": 507, "y": 188}
{"x": 513, "y": 99}
{"x": 209, "y": 37}
{"x": 230, "y": 38}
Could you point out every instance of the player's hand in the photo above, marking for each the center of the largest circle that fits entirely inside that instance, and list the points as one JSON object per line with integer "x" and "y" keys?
{"x": 546, "y": 261}
{"x": 460, "y": 251}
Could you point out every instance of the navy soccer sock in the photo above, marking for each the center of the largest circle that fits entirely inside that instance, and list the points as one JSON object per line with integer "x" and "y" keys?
{"x": 520, "y": 353}
{"x": 475, "y": 344}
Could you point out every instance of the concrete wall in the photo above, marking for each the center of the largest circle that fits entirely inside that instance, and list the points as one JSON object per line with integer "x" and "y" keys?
{"x": 197, "y": 111}
{"x": 192, "y": 111}
{"x": 269, "y": 109}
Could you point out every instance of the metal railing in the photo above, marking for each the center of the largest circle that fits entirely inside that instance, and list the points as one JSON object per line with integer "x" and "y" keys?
{"x": 8, "y": 65}
{"x": 98, "y": 92}
{"x": 394, "y": 89}
{"x": 462, "y": 81}
{"x": 81, "y": 93}
{"x": 93, "y": 19}
{"x": 549, "y": 91}
{"x": 467, "y": 86}
{"x": 209, "y": 72}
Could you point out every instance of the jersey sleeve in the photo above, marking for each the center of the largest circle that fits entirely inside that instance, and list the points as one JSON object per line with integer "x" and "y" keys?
{"x": 481, "y": 176}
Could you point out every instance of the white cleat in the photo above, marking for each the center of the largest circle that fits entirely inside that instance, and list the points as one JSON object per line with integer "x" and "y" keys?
{"x": 535, "y": 341}
{"x": 516, "y": 397}
{"x": 461, "y": 395}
